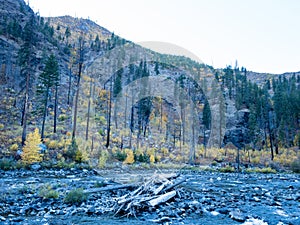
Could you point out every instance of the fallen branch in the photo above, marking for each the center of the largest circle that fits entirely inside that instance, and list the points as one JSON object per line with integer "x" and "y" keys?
{"x": 162, "y": 198}
{"x": 176, "y": 183}
{"x": 156, "y": 190}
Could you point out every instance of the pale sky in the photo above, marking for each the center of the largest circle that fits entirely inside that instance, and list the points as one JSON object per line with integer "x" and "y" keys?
{"x": 262, "y": 35}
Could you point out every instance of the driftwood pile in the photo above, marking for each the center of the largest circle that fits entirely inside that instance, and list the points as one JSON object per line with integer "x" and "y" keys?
{"x": 156, "y": 190}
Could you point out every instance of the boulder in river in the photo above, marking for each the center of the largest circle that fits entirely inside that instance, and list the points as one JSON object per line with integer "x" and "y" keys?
{"x": 237, "y": 215}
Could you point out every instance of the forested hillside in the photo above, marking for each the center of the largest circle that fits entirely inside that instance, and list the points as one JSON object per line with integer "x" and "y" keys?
{"x": 85, "y": 95}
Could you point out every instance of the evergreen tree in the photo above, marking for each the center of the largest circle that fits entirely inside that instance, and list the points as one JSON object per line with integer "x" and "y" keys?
{"x": 48, "y": 78}
{"x": 26, "y": 61}
{"x": 67, "y": 33}
{"x": 206, "y": 115}
{"x": 156, "y": 68}
{"x": 118, "y": 83}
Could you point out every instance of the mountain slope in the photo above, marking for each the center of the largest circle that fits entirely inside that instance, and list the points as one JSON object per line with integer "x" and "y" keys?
{"x": 155, "y": 126}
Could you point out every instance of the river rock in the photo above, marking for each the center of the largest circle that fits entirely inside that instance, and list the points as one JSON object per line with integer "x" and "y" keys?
{"x": 256, "y": 199}
{"x": 2, "y": 218}
{"x": 91, "y": 210}
{"x": 17, "y": 219}
{"x": 253, "y": 221}
{"x": 35, "y": 167}
{"x": 200, "y": 199}
{"x": 223, "y": 210}
{"x": 237, "y": 215}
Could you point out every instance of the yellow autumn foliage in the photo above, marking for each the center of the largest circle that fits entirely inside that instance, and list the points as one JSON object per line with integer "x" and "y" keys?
{"x": 14, "y": 147}
{"x": 31, "y": 150}
{"x": 152, "y": 159}
{"x": 130, "y": 156}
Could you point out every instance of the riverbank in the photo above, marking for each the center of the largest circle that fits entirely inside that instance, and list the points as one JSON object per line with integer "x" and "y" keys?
{"x": 204, "y": 198}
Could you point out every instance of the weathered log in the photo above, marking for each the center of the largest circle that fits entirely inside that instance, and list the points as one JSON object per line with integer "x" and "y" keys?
{"x": 110, "y": 188}
{"x": 162, "y": 198}
{"x": 160, "y": 188}
{"x": 166, "y": 176}
{"x": 176, "y": 183}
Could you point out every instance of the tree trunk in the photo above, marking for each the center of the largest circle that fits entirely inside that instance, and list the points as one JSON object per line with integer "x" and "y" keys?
{"x": 271, "y": 140}
{"x": 161, "y": 115}
{"x": 131, "y": 126}
{"x": 92, "y": 145}
{"x": 45, "y": 113}
{"x": 88, "y": 114}
{"x": 204, "y": 142}
{"x": 70, "y": 82}
{"x": 81, "y": 44}
{"x": 109, "y": 117}
{"x": 55, "y": 108}
{"x": 183, "y": 124}
{"x": 76, "y": 102}
{"x": 192, "y": 148}
{"x": 125, "y": 116}
{"x": 25, "y": 111}
{"x": 115, "y": 116}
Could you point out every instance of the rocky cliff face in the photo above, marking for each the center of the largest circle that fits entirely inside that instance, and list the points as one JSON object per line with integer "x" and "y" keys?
{"x": 14, "y": 15}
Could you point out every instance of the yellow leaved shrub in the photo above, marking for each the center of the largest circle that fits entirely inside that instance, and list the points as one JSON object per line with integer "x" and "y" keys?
{"x": 31, "y": 150}
{"x": 130, "y": 157}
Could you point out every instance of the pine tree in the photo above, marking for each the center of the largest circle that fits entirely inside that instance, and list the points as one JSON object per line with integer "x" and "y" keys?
{"x": 48, "y": 78}
{"x": 67, "y": 33}
{"x": 31, "y": 148}
{"x": 26, "y": 61}
{"x": 118, "y": 83}
{"x": 156, "y": 68}
{"x": 206, "y": 115}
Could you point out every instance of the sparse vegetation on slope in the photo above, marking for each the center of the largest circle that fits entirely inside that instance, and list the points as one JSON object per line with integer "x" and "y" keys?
{"x": 51, "y": 77}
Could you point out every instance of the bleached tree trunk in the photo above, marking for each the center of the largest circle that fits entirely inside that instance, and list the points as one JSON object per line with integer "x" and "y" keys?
{"x": 88, "y": 113}
{"x": 81, "y": 45}
{"x": 55, "y": 108}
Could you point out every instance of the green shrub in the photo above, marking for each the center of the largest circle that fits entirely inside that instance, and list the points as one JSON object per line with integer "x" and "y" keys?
{"x": 67, "y": 50}
{"x": 61, "y": 164}
{"x": 142, "y": 158}
{"x": 6, "y": 164}
{"x": 227, "y": 169}
{"x": 72, "y": 149}
{"x": 62, "y": 117}
{"x": 101, "y": 132}
{"x": 267, "y": 170}
{"x": 120, "y": 155}
{"x": 295, "y": 166}
{"x": 260, "y": 170}
{"x": 103, "y": 158}
{"x": 75, "y": 196}
{"x": 47, "y": 192}
{"x": 25, "y": 190}
{"x": 99, "y": 184}
{"x": 214, "y": 163}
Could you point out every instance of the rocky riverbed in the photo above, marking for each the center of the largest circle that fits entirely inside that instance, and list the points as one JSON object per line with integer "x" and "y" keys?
{"x": 204, "y": 198}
